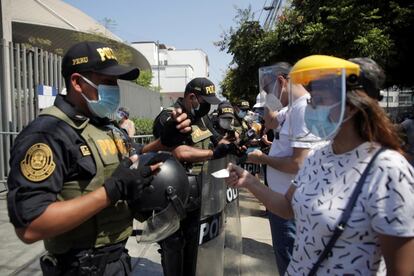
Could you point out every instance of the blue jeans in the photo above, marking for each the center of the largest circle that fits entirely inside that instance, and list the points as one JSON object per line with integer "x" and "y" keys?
{"x": 283, "y": 238}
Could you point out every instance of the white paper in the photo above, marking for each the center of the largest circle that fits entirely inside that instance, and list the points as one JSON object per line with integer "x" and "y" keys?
{"x": 224, "y": 173}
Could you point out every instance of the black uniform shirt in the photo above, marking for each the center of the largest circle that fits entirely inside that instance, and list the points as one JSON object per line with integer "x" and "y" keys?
{"x": 63, "y": 158}
{"x": 206, "y": 123}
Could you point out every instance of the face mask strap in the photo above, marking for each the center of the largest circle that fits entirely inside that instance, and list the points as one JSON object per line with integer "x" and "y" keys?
{"x": 89, "y": 82}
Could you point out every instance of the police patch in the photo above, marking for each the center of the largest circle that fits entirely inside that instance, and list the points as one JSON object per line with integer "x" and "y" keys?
{"x": 85, "y": 150}
{"x": 38, "y": 164}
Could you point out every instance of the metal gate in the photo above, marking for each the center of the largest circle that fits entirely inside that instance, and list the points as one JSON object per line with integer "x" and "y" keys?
{"x": 22, "y": 70}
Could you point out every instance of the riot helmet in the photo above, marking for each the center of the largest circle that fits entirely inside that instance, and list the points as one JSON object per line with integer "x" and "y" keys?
{"x": 160, "y": 206}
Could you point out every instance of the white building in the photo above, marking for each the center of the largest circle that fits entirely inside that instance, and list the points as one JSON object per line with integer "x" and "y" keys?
{"x": 398, "y": 102}
{"x": 172, "y": 69}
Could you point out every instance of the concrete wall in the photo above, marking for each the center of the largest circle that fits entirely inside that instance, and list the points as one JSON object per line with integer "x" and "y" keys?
{"x": 142, "y": 102}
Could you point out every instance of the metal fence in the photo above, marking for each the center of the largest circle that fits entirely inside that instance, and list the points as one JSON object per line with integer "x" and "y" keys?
{"x": 142, "y": 139}
{"x": 22, "y": 69}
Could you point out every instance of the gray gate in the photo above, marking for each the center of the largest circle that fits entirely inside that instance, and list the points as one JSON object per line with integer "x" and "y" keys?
{"x": 22, "y": 70}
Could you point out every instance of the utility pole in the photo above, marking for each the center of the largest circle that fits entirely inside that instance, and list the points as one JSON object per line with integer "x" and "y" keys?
{"x": 158, "y": 62}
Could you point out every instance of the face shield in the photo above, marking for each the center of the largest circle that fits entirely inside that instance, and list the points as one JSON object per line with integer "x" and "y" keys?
{"x": 160, "y": 225}
{"x": 324, "y": 78}
{"x": 268, "y": 82}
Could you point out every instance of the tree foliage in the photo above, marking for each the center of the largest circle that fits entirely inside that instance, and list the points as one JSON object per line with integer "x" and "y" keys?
{"x": 145, "y": 78}
{"x": 382, "y": 30}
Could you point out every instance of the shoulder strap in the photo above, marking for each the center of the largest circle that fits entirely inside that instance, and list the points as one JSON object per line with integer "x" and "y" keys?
{"x": 340, "y": 227}
{"x": 57, "y": 113}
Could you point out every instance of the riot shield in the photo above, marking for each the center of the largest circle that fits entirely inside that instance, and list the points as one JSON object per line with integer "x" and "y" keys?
{"x": 233, "y": 237}
{"x": 210, "y": 258}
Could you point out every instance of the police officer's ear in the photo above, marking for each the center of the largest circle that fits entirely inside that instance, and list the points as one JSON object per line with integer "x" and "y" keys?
{"x": 193, "y": 99}
{"x": 75, "y": 82}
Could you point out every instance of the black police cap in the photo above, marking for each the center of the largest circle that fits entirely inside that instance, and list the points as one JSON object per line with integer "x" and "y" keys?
{"x": 203, "y": 87}
{"x": 91, "y": 56}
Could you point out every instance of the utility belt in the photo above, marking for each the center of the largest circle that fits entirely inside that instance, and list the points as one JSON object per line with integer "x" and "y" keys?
{"x": 194, "y": 197}
{"x": 90, "y": 261}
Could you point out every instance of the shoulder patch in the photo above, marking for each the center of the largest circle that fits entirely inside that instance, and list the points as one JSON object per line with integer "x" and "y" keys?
{"x": 197, "y": 134}
{"x": 38, "y": 164}
{"x": 85, "y": 150}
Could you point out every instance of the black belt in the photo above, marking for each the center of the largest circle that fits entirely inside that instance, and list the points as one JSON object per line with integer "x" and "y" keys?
{"x": 93, "y": 258}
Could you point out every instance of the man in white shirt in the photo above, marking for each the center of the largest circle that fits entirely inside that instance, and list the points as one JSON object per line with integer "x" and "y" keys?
{"x": 285, "y": 156}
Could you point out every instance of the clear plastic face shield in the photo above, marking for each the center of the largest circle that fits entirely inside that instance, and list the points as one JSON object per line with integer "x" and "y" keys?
{"x": 325, "y": 109}
{"x": 269, "y": 83}
{"x": 160, "y": 225}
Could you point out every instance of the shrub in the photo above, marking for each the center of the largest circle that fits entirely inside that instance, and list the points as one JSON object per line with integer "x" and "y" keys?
{"x": 143, "y": 126}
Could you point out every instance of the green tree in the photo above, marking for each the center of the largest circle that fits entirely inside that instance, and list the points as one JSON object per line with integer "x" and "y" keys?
{"x": 123, "y": 52}
{"x": 144, "y": 79}
{"x": 379, "y": 29}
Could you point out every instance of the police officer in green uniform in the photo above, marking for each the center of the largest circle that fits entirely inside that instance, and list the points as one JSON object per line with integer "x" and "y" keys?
{"x": 179, "y": 251}
{"x": 241, "y": 126}
{"x": 70, "y": 171}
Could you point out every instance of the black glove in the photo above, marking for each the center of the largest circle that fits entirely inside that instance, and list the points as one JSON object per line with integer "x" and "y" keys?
{"x": 171, "y": 136}
{"x": 126, "y": 183}
{"x": 224, "y": 149}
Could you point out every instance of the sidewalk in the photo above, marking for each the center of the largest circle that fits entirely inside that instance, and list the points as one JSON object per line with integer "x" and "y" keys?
{"x": 17, "y": 258}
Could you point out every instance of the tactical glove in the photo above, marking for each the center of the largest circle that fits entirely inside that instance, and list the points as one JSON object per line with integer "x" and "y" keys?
{"x": 224, "y": 149}
{"x": 171, "y": 136}
{"x": 126, "y": 183}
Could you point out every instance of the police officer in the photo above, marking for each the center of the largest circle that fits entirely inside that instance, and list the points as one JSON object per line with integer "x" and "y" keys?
{"x": 70, "y": 171}
{"x": 240, "y": 111}
{"x": 179, "y": 251}
{"x": 223, "y": 121}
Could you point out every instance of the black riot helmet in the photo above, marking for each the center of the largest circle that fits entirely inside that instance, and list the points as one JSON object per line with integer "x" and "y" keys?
{"x": 161, "y": 204}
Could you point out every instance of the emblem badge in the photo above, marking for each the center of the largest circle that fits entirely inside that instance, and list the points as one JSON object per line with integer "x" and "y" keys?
{"x": 38, "y": 164}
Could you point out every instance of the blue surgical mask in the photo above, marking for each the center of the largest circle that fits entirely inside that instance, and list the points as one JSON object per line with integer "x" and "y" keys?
{"x": 318, "y": 122}
{"x": 108, "y": 99}
{"x": 241, "y": 114}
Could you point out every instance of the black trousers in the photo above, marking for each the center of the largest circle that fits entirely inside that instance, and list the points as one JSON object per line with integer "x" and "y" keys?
{"x": 179, "y": 251}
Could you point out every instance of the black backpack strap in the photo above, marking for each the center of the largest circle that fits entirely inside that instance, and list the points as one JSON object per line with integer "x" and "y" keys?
{"x": 340, "y": 227}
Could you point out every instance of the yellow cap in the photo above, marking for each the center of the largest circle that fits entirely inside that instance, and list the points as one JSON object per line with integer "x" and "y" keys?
{"x": 318, "y": 66}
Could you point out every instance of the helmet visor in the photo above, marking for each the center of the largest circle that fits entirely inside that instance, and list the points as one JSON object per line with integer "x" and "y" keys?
{"x": 325, "y": 108}
{"x": 160, "y": 225}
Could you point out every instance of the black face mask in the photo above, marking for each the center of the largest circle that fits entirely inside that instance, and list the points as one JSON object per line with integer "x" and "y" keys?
{"x": 203, "y": 110}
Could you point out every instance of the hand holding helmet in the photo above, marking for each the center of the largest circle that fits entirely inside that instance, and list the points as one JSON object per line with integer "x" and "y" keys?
{"x": 126, "y": 183}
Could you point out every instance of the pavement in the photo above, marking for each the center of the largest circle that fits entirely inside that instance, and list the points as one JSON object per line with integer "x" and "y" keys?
{"x": 17, "y": 258}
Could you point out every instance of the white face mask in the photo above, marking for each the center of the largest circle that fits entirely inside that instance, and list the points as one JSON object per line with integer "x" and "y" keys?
{"x": 225, "y": 123}
{"x": 273, "y": 99}
{"x": 273, "y": 103}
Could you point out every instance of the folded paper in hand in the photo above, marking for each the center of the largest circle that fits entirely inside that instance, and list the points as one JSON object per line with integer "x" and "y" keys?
{"x": 224, "y": 173}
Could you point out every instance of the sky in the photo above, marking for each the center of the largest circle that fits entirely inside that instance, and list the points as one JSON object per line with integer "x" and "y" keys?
{"x": 184, "y": 24}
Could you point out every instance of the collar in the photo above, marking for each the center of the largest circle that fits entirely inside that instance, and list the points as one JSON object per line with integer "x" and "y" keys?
{"x": 70, "y": 110}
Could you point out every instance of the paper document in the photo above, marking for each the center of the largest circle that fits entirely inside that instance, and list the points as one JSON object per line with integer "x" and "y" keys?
{"x": 224, "y": 173}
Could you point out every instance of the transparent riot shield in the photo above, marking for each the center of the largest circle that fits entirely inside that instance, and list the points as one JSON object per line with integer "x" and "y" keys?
{"x": 210, "y": 257}
{"x": 233, "y": 237}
